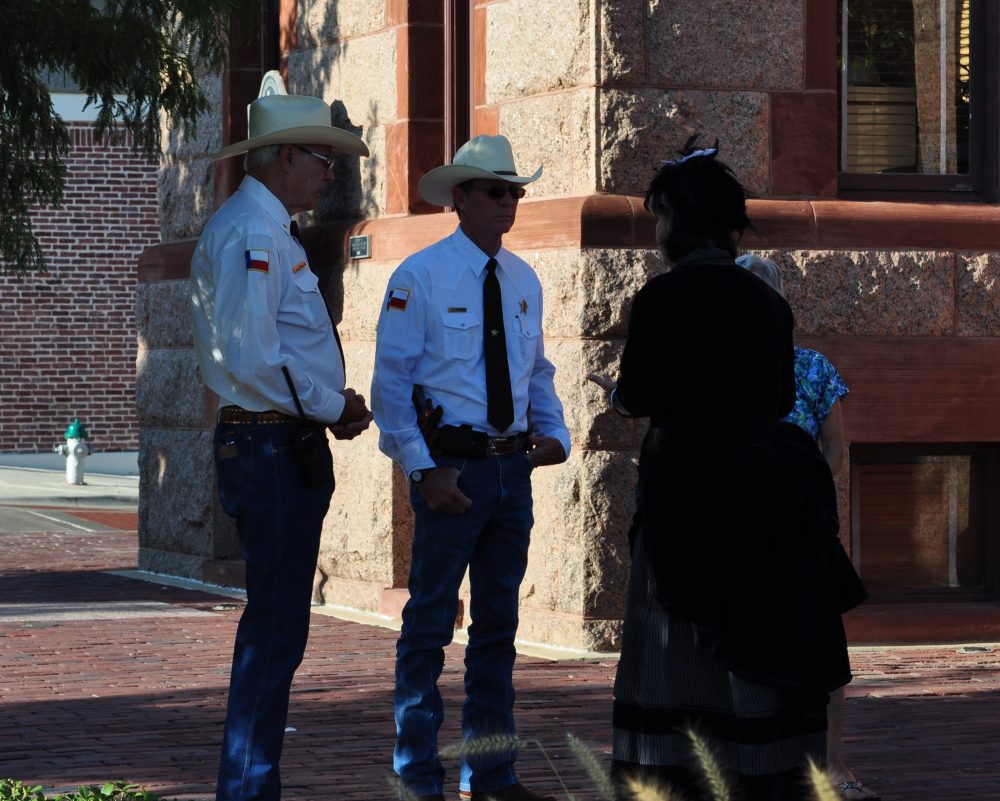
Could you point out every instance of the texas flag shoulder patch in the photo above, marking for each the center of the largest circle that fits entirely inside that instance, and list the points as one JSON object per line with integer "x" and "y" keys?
{"x": 398, "y": 298}
{"x": 258, "y": 260}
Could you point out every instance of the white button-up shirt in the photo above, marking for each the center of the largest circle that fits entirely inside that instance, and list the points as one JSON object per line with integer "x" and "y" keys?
{"x": 257, "y": 308}
{"x": 430, "y": 334}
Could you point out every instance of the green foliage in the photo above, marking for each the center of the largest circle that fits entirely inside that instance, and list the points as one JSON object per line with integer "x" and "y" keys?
{"x": 11, "y": 790}
{"x": 132, "y": 60}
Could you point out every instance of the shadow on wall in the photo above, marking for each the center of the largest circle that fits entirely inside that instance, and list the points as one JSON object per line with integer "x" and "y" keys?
{"x": 353, "y": 194}
{"x": 169, "y": 483}
{"x": 189, "y": 186}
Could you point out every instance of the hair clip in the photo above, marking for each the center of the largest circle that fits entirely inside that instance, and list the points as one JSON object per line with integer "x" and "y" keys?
{"x": 707, "y": 152}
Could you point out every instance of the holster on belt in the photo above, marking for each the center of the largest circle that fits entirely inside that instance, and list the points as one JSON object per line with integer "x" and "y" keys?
{"x": 428, "y": 419}
{"x": 462, "y": 441}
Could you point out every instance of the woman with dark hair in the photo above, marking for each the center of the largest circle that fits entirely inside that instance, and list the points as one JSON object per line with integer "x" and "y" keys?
{"x": 738, "y": 581}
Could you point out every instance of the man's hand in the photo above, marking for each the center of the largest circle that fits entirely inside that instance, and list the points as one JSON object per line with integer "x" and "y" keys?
{"x": 440, "y": 490}
{"x": 545, "y": 450}
{"x": 350, "y": 430}
{"x": 355, "y": 410}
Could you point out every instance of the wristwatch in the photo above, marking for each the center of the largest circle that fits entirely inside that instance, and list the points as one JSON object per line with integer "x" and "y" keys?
{"x": 420, "y": 474}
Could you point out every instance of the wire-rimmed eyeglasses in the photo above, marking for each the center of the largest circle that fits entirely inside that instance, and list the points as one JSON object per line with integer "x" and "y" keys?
{"x": 327, "y": 160}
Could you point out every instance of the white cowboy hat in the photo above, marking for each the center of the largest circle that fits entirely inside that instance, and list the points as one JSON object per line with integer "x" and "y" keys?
{"x": 488, "y": 157}
{"x": 280, "y": 119}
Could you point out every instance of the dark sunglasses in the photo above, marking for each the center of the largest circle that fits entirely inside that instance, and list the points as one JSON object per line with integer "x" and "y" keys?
{"x": 497, "y": 192}
{"x": 327, "y": 160}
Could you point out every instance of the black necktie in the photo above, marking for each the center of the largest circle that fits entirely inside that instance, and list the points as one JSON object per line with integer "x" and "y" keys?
{"x": 293, "y": 229}
{"x": 499, "y": 403}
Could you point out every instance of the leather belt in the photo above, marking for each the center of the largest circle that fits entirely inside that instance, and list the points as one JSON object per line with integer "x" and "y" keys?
{"x": 499, "y": 446}
{"x": 466, "y": 441}
{"x": 234, "y": 415}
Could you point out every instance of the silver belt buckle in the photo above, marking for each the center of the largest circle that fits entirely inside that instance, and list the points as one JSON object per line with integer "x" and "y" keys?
{"x": 506, "y": 443}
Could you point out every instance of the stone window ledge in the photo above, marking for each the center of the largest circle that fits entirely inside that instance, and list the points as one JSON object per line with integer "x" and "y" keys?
{"x": 617, "y": 221}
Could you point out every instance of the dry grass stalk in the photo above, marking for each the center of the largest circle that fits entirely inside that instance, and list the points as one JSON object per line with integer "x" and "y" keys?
{"x": 711, "y": 770}
{"x": 477, "y": 746}
{"x": 635, "y": 789}
{"x": 598, "y": 775}
{"x": 403, "y": 793}
{"x": 823, "y": 788}
{"x": 645, "y": 791}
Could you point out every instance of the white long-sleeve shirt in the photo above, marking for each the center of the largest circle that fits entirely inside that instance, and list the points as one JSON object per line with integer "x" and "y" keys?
{"x": 257, "y": 307}
{"x": 430, "y": 334}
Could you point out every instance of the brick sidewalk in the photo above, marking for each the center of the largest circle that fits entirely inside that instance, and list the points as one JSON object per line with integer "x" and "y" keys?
{"x": 112, "y": 677}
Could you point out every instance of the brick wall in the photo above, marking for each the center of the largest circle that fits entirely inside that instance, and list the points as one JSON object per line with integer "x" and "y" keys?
{"x": 68, "y": 336}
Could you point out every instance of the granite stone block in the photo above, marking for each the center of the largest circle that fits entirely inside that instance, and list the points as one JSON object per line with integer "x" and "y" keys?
{"x": 870, "y": 293}
{"x": 185, "y": 197}
{"x": 622, "y": 27}
{"x": 727, "y": 43}
{"x": 163, "y": 314}
{"x": 320, "y": 22}
{"x": 561, "y": 56}
{"x": 639, "y": 129}
{"x": 978, "y": 295}
{"x": 555, "y": 131}
{"x": 168, "y": 390}
{"x": 177, "y": 506}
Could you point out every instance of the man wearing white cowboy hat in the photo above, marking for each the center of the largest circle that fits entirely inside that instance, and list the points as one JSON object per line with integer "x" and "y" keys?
{"x": 464, "y": 399}
{"x": 268, "y": 349}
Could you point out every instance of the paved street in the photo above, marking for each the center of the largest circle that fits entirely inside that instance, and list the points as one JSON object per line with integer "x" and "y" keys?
{"x": 104, "y": 676}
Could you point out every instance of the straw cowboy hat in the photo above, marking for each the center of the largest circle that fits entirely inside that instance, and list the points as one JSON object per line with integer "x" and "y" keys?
{"x": 277, "y": 118}
{"x": 487, "y": 157}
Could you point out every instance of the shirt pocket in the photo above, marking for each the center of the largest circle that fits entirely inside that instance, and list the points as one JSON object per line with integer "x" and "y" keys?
{"x": 462, "y": 335}
{"x": 527, "y": 327}
{"x": 308, "y": 299}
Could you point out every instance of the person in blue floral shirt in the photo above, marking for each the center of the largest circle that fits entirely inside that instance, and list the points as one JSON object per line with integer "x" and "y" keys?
{"x": 818, "y": 388}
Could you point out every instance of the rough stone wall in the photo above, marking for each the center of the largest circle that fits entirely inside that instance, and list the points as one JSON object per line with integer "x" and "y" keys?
{"x": 610, "y": 90}
{"x": 670, "y": 70}
{"x": 906, "y": 293}
{"x": 68, "y": 335}
{"x": 544, "y": 94}
{"x": 573, "y": 592}
{"x": 185, "y": 185}
{"x": 345, "y": 54}
{"x": 182, "y": 528}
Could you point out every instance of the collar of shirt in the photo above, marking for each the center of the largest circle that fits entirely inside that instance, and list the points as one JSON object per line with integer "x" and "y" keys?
{"x": 271, "y": 205}
{"x": 511, "y": 269}
{"x": 470, "y": 252}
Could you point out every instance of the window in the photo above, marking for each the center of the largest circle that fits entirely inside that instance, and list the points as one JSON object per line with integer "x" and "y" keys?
{"x": 458, "y": 34}
{"x": 922, "y": 518}
{"x": 916, "y": 94}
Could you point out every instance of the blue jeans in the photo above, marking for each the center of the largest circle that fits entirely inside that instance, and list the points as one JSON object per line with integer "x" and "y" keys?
{"x": 491, "y": 540}
{"x": 279, "y": 519}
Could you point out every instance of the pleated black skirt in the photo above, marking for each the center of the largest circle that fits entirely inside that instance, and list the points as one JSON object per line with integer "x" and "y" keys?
{"x": 670, "y": 683}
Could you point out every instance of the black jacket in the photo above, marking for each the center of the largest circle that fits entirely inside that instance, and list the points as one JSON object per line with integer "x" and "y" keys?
{"x": 737, "y": 509}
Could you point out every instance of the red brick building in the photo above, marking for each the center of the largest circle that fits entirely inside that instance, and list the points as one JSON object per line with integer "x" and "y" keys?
{"x": 68, "y": 336}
